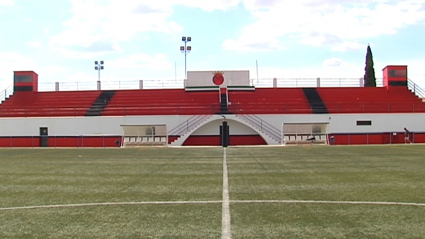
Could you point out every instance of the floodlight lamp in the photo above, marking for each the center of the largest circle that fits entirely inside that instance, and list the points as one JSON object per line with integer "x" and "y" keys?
{"x": 96, "y": 68}
{"x": 101, "y": 62}
{"x": 189, "y": 48}
{"x": 181, "y": 48}
{"x": 183, "y": 38}
{"x": 95, "y": 62}
{"x": 189, "y": 38}
{"x": 101, "y": 67}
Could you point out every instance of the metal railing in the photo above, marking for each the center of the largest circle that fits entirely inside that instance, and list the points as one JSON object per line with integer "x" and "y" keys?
{"x": 188, "y": 125}
{"x": 180, "y": 84}
{"x": 4, "y": 94}
{"x": 415, "y": 89}
{"x": 263, "y": 126}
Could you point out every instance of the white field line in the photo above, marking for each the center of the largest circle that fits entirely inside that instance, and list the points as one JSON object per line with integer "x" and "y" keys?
{"x": 111, "y": 204}
{"x": 331, "y": 202}
{"x": 225, "y": 221}
{"x": 215, "y": 202}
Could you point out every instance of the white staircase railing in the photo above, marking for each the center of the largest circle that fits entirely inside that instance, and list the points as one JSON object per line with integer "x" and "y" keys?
{"x": 6, "y": 93}
{"x": 415, "y": 89}
{"x": 187, "y": 127}
{"x": 263, "y": 126}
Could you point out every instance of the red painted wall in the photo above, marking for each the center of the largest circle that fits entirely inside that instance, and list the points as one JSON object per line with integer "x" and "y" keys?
{"x": 378, "y": 138}
{"x": 234, "y": 140}
{"x": 64, "y": 141}
{"x": 110, "y": 141}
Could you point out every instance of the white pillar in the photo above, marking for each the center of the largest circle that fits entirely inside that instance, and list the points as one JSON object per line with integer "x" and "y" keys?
{"x": 318, "y": 82}
{"x": 56, "y": 86}
{"x": 274, "y": 83}
{"x": 98, "y": 85}
{"x": 140, "y": 84}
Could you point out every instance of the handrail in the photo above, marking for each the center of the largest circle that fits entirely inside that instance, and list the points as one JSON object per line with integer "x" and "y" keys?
{"x": 415, "y": 89}
{"x": 187, "y": 125}
{"x": 6, "y": 93}
{"x": 263, "y": 126}
{"x": 180, "y": 84}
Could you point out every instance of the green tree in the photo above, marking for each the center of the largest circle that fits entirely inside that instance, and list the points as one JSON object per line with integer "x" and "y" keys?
{"x": 369, "y": 75}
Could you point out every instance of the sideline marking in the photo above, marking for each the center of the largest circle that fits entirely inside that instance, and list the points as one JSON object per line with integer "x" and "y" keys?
{"x": 214, "y": 202}
{"x": 225, "y": 221}
{"x": 111, "y": 204}
{"x": 331, "y": 202}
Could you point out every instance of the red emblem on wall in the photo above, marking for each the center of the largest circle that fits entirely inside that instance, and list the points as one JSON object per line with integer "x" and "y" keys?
{"x": 218, "y": 78}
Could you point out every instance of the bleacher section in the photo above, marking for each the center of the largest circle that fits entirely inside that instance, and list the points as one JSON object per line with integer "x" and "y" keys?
{"x": 101, "y": 102}
{"x": 315, "y": 101}
{"x": 269, "y": 101}
{"x": 162, "y": 102}
{"x": 370, "y": 100}
{"x": 181, "y": 102}
{"x": 48, "y": 104}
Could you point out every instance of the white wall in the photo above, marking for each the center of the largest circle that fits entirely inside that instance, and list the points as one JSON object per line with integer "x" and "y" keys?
{"x": 346, "y": 123}
{"x": 235, "y": 128}
{"x": 74, "y": 126}
{"x": 204, "y": 78}
{"x": 338, "y": 123}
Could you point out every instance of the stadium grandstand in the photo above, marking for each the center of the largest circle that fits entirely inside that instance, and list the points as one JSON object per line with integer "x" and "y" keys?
{"x": 211, "y": 108}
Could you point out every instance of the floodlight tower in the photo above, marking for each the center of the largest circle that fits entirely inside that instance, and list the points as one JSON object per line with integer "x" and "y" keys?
{"x": 98, "y": 66}
{"x": 185, "y": 49}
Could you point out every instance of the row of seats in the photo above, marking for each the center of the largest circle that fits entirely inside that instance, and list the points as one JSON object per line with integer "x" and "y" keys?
{"x": 269, "y": 101}
{"x": 162, "y": 102}
{"x": 48, "y": 104}
{"x": 180, "y": 102}
{"x": 370, "y": 100}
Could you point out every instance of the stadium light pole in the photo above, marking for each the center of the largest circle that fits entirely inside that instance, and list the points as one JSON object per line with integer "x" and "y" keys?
{"x": 98, "y": 65}
{"x": 185, "y": 49}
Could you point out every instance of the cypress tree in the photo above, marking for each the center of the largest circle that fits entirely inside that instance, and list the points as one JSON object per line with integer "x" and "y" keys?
{"x": 369, "y": 76}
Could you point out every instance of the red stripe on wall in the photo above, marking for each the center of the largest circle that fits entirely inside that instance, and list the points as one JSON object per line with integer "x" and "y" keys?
{"x": 234, "y": 140}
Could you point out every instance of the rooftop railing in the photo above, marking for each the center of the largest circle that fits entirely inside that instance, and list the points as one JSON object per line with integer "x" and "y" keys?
{"x": 180, "y": 83}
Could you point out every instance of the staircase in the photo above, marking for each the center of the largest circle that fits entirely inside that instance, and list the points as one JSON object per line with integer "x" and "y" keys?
{"x": 224, "y": 106}
{"x": 271, "y": 134}
{"x": 4, "y": 94}
{"x": 185, "y": 129}
{"x": 316, "y": 103}
{"x": 100, "y": 103}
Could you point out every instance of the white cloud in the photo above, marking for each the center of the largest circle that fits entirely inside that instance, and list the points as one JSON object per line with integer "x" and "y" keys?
{"x": 35, "y": 44}
{"x": 333, "y": 62}
{"x": 92, "y": 33}
{"x": 7, "y": 2}
{"x": 10, "y": 62}
{"x": 141, "y": 60}
{"x": 246, "y": 44}
{"x": 51, "y": 70}
{"x": 98, "y": 27}
{"x": 339, "y": 25}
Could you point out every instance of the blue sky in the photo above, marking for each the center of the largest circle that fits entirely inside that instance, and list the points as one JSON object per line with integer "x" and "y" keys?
{"x": 140, "y": 39}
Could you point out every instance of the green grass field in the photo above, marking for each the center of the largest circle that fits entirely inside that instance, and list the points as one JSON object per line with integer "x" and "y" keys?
{"x": 274, "y": 192}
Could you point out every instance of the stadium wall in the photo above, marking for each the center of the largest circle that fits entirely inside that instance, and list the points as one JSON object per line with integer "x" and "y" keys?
{"x": 105, "y": 131}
